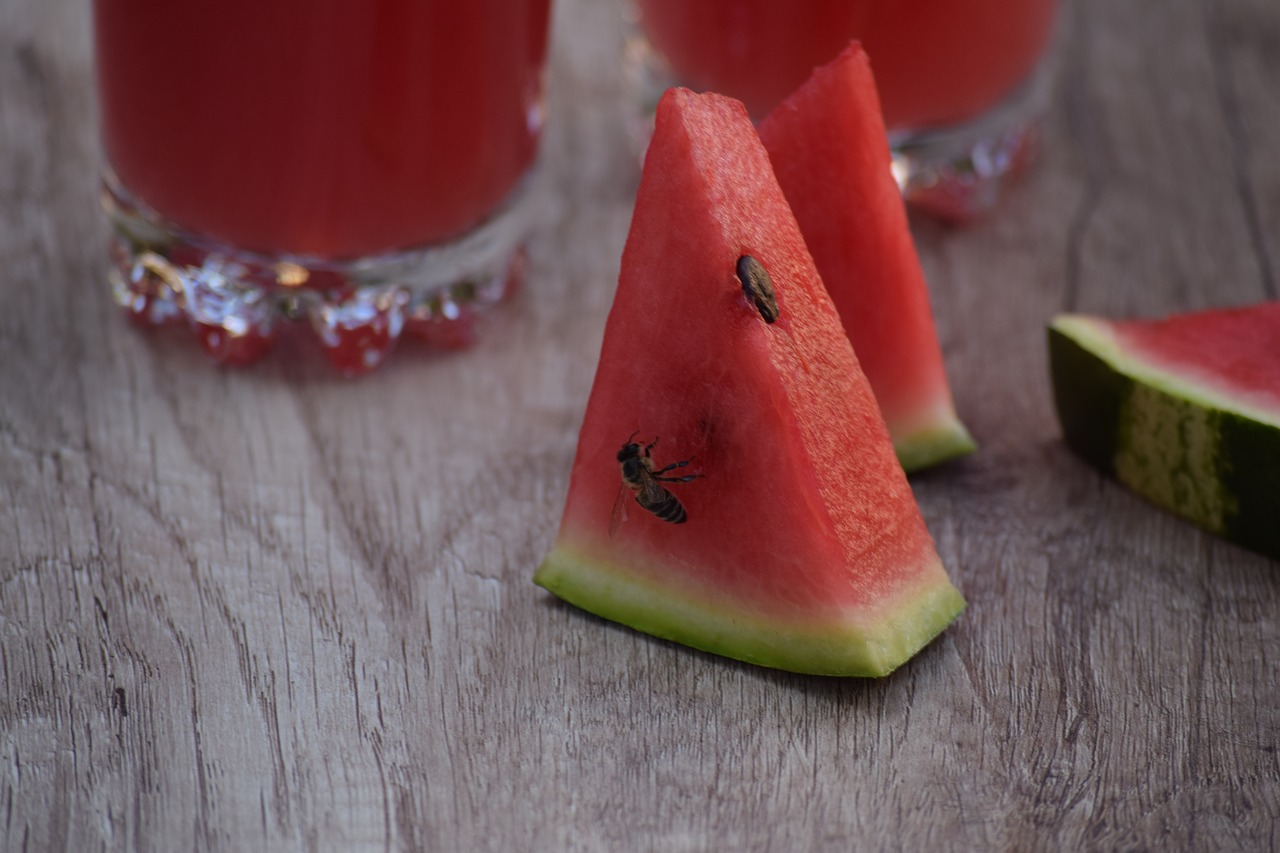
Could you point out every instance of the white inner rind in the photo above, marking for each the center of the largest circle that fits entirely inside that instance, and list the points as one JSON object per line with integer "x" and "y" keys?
{"x": 929, "y": 441}
{"x": 1097, "y": 337}
{"x": 868, "y": 641}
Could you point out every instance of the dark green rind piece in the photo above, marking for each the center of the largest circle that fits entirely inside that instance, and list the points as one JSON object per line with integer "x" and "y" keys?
{"x": 1182, "y": 447}
{"x": 1089, "y": 394}
{"x": 867, "y": 648}
{"x": 1252, "y": 474}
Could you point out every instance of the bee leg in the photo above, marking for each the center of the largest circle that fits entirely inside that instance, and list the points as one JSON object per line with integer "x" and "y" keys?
{"x": 671, "y": 467}
{"x": 657, "y": 475}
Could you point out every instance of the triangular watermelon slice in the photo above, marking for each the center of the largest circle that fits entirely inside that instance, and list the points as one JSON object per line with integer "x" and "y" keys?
{"x": 803, "y": 546}
{"x": 830, "y": 153}
{"x": 1184, "y": 410}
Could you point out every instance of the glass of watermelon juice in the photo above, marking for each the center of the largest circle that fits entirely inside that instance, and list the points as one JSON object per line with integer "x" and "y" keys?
{"x": 960, "y": 81}
{"x": 356, "y": 167}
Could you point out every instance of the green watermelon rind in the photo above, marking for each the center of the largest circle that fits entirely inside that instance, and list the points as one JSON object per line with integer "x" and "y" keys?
{"x": 864, "y": 645}
{"x": 944, "y": 439}
{"x": 1181, "y": 444}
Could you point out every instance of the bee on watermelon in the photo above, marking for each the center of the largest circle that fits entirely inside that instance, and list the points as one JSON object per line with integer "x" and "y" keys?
{"x": 642, "y": 480}
{"x": 758, "y": 287}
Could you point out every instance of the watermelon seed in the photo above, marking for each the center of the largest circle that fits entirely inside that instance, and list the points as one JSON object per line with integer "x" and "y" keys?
{"x": 758, "y": 287}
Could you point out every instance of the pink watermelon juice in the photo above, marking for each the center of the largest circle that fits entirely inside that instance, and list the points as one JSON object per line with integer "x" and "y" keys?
{"x": 326, "y": 128}
{"x": 936, "y": 63}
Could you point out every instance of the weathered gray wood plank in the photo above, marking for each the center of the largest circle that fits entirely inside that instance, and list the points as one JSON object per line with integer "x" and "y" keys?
{"x": 274, "y": 609}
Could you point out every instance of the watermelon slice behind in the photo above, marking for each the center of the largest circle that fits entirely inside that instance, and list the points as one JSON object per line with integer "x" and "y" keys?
{"x": 803, "y": 547}
{"x": 1184, "y": 410}
{"x": 830, "y": 153}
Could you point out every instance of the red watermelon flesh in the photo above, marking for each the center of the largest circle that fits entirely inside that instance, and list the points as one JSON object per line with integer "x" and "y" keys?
{"x": 830, "y": 153}
{"x": 1228, "y": 351}
{"x": 804, "y": 548}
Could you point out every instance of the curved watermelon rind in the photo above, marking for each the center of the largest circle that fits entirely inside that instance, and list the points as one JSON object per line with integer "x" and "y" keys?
{"x": 1179, "y": 443}
{"x": 869, "y": 644}
{"x": 944, "y": 439}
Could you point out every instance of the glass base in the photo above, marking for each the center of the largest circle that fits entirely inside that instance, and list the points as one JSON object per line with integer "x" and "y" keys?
{"x": 238, "y": 304}
{"x": 959, "y": 173}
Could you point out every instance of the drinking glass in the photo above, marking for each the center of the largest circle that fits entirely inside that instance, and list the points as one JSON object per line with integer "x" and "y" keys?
{"x": 958, "y": 79}
{"x": 359, "y": 168}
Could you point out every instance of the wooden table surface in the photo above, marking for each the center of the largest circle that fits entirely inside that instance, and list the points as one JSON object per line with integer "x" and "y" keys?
{"x": 273, "y": 609}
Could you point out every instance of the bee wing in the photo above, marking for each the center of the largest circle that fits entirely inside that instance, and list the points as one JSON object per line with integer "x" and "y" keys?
{"x": 651, "y": 493}
{"x": 619, "y": 513}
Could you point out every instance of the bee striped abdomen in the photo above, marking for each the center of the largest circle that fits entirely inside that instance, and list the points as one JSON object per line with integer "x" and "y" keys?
{"x": 645, "y": 483}
{"x": 669, "y": 509}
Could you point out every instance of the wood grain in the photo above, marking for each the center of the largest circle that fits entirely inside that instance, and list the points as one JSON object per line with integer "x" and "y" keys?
{"x": 277, "y": 610}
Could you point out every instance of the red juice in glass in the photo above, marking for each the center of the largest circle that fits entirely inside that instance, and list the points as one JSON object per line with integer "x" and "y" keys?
{"x": 942, "y": 67}
{"x": 355, "y": 162}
